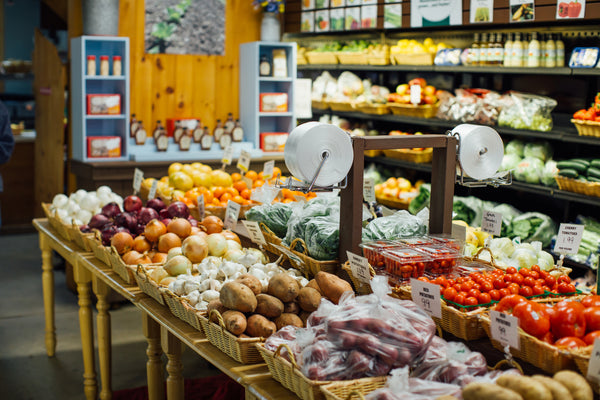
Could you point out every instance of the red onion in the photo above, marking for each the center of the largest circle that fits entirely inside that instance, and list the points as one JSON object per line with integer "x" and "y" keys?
{"x": 193, "y": 221}
{"x": 107, "y": 234}
{"x": 166, "y": 221}
{"x": 85, "y": 229}
{"x": 132, "y": 203}
{"x": 99, "y": 221}
{"x": 156, "y": 203}
{"x": 111, "y": 210}
{"x": 178, "y": 209}
{"x": 146, "y": 215}
{"x": 127, "y": 220}
{"x": 164, "y": 214}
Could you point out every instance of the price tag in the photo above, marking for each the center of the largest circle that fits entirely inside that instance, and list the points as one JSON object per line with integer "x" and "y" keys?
{"x": 459, "y": 232}
{"x": 254, "y": 231}
{"x": 360, "y": 267}
{"x": 227, "y": 155}
{"x": 231, "y": 214}
{"x": 243, "y": 163}
{"x": 201, "y": 207}
{"x": 427, "y": 296}
{"x": 415, "y": 94}
{"x": 249, "y": 182}
{"x": 491, "y": 222}
{"x": 268, "y": 169}
{"x": 138, "y": 177}
{"x": 369, "y": 189}
{"x": 568, "y": 239}
{"x": 152, "y": 192}
{"x": 593, "y": 372}
{"x": 294, "y": 259}
{"x": 505, "y": 329}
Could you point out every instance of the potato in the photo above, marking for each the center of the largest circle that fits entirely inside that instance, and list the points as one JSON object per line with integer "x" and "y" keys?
{"x": 268, "y": 306}
{"x": 558, "y": 390}
{"x": 284, "y": 287}
{"x": 446, "y": 397}
{"x": 488, "y": 391}
{"x": 291, "y": 308}
{"x": 304, "y": 316}
{"x": 576, "y": 384}
{"x": 313, "y": 284}
{"x": 235, "y": 322}
{"x": 237, "y": 296}
{"x": 332, "y": 286}
{"x": 251, "y": 281}
{"x": 309, "y": 299}
{"x": 259, "y": 326}
{"x": 286, "y": 319}
{"x": 215, "y": 305}
{"x": 528, "y": 388}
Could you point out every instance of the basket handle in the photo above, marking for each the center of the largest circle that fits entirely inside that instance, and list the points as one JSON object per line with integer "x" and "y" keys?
{"x": 141, "y": 272}
{"x": 355, "y": 393}
{"x": 219, "y": 318}
{"x": 302, "y": 243}
{"x": 290, "y": 354}
{"x": 440, "y": 332}
{"x": 113, "y": 250}
{"x": 510, "y": 363}
{"x": 265, "y": 228}
{"x": 488, "y": 250}
{"x": 98, "y": 235}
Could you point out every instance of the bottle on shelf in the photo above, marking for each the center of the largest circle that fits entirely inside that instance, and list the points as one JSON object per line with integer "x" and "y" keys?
{"x": 543, "y": 41}
{"x": 498, "y": 50}
{"x": 517, "y": 52}
{"x": 140, "y": 134}
{"x": 206, "y": 141}
{"x": 104, "y": 65}
{"x": 185, "y": 141}
{"x": 560, "y": 51}
{"x": 158, "y": 130}
{"x": 264, "y": 66}
{"x": 91, "y": 65}
{"x": 219, "y": 131}
{"x": 550, "y": 54}
{"x": 229, "y": 123}
{"x": 507, "y": 51}
{"x": 280, "y": 63}
{"x": 483, "y": 46}
{"x": 489, "y": 59}
{"x": 177, "y": 132}
{"x": 133, "y": 125}
{"x": 237, "y": 134}
{"x": 533, "y": 52}
{"x": 117, "y": 66}
{"x": 198, "y": 131}
{"x": 475, "y": 50}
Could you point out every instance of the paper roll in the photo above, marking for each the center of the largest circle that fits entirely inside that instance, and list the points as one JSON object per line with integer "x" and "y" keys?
{"x": 481, "y": 150}
{"x": 306, "y": 146}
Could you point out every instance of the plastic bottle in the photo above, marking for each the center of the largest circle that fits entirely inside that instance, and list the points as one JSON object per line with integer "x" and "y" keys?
{"x": 483, "y": 49}
{"x": 117, "y": 66}
{"x": 550, "y": 55}
{"x": 475, "y": 50}
{"x": 507, "y": 51}
{"x": 517, "y": 52}
{"x": 560, "y": 51}
{"x": 533, "y": 52}
{"x": 498, "y": 50}
{"x": 91, "y": 65}
{"x": 104, "y": 65}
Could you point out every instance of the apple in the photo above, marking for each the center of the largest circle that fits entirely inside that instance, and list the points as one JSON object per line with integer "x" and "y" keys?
{"x": 402, "y": 89}
{"x": 430, "y": 99}
{"x": 429, "y": 90}
{"x": 132, "y": 203}
{"x": 418, "y": 81}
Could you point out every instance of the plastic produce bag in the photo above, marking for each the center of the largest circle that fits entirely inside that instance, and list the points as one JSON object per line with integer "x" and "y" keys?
{"x": 509, "y": 161}
{"x": 508, "y": 214}
{"x": 471, "y": 105}
{"x": 534, "y": 226}
{"x": 527, "y": 111}
{"x": 349, "y": 86}
{"x": 401, "y": 387}
{"x": 529, "y": 170}
{"x": 322, "y": 237}
{"x": 547, "y": 177}
{"x": 321, "y": 84}
{"x": 399, "y": 225}
{"x": 515, "y": 147}
{"x": 541, "y": 150}
{"x": 468, "y": 209}
{"x": 275, "y": 216}
{"x": 319, "y": 206}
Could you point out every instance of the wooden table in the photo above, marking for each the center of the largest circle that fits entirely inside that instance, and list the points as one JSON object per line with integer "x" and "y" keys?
{"x": 164, "y": 332}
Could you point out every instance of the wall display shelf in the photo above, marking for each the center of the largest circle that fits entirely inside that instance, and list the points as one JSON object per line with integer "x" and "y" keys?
{"x": 84, "y": 125}
{"x": 252, "y": 85}
{"x": 148, "y": 152}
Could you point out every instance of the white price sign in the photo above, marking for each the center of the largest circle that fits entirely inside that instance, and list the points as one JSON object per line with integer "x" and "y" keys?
{"x": 243, "y": 163}
{"x": 152, "y": 192}
{"x": 415, "y": 94}
{"x": 568, "y": 239}
{"x": 369, "y": 189}
{"x": 227, "y": 155}
{"x": 138, "y": 177}
{"x": 505, "y": 329}
{"x": 268, "y": 169}
{"x": 254, "y": 231}
{"x": 249, "y": 182}
{"x": 593, "y": 372}
{"x": 201, "y": 207}
{"x": 459, "y": 232}
{"x": 491, "y": 222}
{"x": 232, "y": 214}
{"x": 360, "y": 267}
{"x": 427, "y": 296}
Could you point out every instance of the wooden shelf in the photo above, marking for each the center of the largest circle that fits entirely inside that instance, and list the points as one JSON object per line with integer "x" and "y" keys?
{"x": 452, "y": 69}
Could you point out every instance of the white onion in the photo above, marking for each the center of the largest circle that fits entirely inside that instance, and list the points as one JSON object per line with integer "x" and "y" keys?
{"x": 61, "y": 213}
{"x": 60, "y": 200}
{"x": 103, "y": 190}
{"x": 174, "y": 251}
{"x": 178, "y": 265}
{"x": 90, "y": 202}
{"x": 104, "y": 199}
{"x": 79, "y": 195}
{"x": 232, "y": 244}
{"x": 217, "y": 244}
{"x": 84, "y": 216}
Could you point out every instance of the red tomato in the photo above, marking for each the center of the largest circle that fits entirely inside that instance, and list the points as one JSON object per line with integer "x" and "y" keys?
{"x": 424, "y": 279}
{"x": 566, "y": 288}
{"x": 592, "y": 318}
{"x": 534, "y": 274}
{"x": 451, "y": 282}
{"x": 592, "y": 300}
{"x": 548, "y": 338}
{"x": 440, "y": 280}
{"x": 511, "y": 270}
{"x": 529, "y": 281}
{"x": 524, "y": 272}
{"x": 507, "y": 278}
{"x": 514, "y": 288}
{"x": 540, "y": 282}
{"x": 517, "y": 278}
{"x": 494, "y": 294}
{"x": 467, "y": 286}
{"x": 532, "y": 318}
{"x": 458, "y": 287}
{"x": 471, "y": 301}
{"x": 536, "y": 268}
{"x": 484, "y": 298}
{"x": 570, "y": 342}
{"x": 544, "y": 274}
{"x": 499, "y": 283}
{"x": 550, "y": 280}
{"x": 526, "y": 291}
{"x": 508, "y": 303}
{"x": 460, "y": 298}
{"x": 449, "y": 293}
{"x": 473, "y": 293}
{"x": 477, "y": 286}
{"x": 591, "y": 337}
{"x": 486, "y": 286}
{"x": 537, "y": 290}
{"x": 504, "y": 292}
{"x": 461, "y": 279}
{"x": 563, "y": 278}
{"x": 568, "y": 319}
{"x": 546, "y": 288}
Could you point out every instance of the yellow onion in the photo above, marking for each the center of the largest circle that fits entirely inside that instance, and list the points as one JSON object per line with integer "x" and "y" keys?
{"x": 122, "y": 242}
{"x": 212, "y": 224}
{"x": 195, "y": 248}
{"x": 229, "y": 235}
{"x": 154, "y": 230}
{"x": 141, "y": 244}
{"x": 178, "y": 265}
{"x": 168, "y": 241}
{"x": 180, "y": 226}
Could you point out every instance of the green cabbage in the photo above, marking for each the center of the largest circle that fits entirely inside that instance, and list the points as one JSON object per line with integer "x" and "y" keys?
{"x": 549, "y": 173}
{"x": 510, "y": 161}
{"x": 529, "y": 170}
{"x": 541, "y": 150}
{"x": 515, "y": 147}
{"x": 502, "y": 247}
{"x": 524, "y": 257}
{"x": 545, "y": 260}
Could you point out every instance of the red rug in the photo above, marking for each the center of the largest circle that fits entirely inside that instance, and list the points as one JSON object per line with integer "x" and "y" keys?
{"x": 218, "y": 387}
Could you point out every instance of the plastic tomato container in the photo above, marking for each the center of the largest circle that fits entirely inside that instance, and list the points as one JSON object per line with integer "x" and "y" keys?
{"x": 418, "y": 241}
{"x": 404, "y": 263}
{"x": 373, "y": 251}
{"x": 444, "y": 259}
{"x": 448, "y": 242}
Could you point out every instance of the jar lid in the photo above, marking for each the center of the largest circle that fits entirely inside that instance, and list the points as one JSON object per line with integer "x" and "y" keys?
{"x": 104, "y": 57}
{"x": 116, "y": 57}
{"x": 91, "y": 57}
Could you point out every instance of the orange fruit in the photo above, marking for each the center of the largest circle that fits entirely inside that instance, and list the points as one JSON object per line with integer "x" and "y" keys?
{"x": 276, "y": 172}
{"x": 226, "y": 197}
{"x": 218, "y": 191}
{"x": 287, "y": 200}
{"x": 246, "y": 202}
{"x": 251, "y": 175}
{"x": 261, "y": 175}
{"x": 232, "y": 191}
{"x": 287, "y": 193}
{"x": 236, "y": 176}
{"x": 238, "y": 199}
{"x": 240, "y": 185}
{"x": 258, "y": 183}
{"x": 216, "y": 202}
{"x": 246, "y": 194}
{"x": 208, "y": 197}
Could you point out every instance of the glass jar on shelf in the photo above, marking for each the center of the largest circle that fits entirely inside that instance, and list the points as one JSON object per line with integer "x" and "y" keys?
{"x": 91, "y": 65}
{"x": 104, "y": 65}
{"x": 117, "y": 66}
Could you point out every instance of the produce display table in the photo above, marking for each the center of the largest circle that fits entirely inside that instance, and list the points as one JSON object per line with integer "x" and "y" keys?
{"x": 163, "y": 331}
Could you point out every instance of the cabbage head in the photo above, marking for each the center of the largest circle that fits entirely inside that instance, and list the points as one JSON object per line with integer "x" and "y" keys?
{"x": 529, "y": 170}
{"x": 541, "y": 150}
{"x": 515, "y": 147}
{"x": 509, "y": 161}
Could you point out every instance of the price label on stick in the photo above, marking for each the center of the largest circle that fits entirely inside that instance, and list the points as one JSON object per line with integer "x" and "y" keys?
{"x": 505, "y": 329}
{"x": 427, "y": 296}
{"x": 232, "y": 214}
{"x": 152, "y": 192}
{"x": 369, "y": 190}
{"x": 268, "y": 169}
{"x": 593, "y": 372}
{"x": 138, "y": 177}
{"x": 249, "y": 182}
{"x": 227, "y": 155}
{"x": 459, "y": 232}
{"x": 491, "y": 222}
{"x": 568, "y": 239}
{"x": 415, "y": 94}
{"x": 243, "y": 163}
{"x": 201, "y": 207}
{"x": 254, "y": 232}
{"x": 360, "y": 267}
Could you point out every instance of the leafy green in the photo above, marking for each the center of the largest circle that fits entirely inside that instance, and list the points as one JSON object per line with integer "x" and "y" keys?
{"x": 399, "y": 225}
{"x": 322, "y": 237}
{"x": 541, "y": 150}
{"x": 174, "y": 14}
{"x": 275, "y": 216}
{"x": 534, "y": 226}
{"x": 163, "y": 30}
{"x": 515, "y": 146}
{"x": 421, "y": 200}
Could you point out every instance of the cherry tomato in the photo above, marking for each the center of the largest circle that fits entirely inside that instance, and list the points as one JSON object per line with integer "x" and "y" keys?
{"x": 537, "y": 290}
{"x": 591, "y": 301}
{"x": 467, "y": 286}
{"x": 514, "y": 288}
{"x": 450, "y": 293}
{"x": 451, "y": 282}
{"x": 568, "y": 319}
{"x": 458, "y": 287}
{"x": 460, "y": 298}
{"x": 494, "y": 294}
{"x": 534, "y": 274}
{"x": 546, "y": 288}
{"x": 499, "y": 283}
{"x": 517, "y": 278}
{"x": 471, "y": 301}
{"x": 511, "y": 270}
{"x": 566, "y": 288}
{"x": 563, "y": 278}
{"x": 473, "y": 293}
{"x": 477, "y": 286}
{"x": 570, "y": 342}
{"x": 461, "y": 279}
{"x": 548, "y": 338}
{"x": 524, "y": 272}
{"x": 484, "y": 298}
{"x": 507, "y": 278}
{"x": 508, "y": 303}
{"x": 544, "y": 274}
{"x": 540, "y": 282}
{"x": 536, "y": 268}
{"x": 592, "y": 318}
{"x": 529, "y": 281}
{"x": 424, "y": 279}
{"x": 526, "y": 291}
{"x": 591, "y": 337}
{"x": 532, "y": 318}
{"x": 486, "y": 286}
{"x": 504, "y": 292}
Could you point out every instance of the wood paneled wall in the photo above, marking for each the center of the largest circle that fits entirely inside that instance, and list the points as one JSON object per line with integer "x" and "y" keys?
{"x": 175, "y": 86}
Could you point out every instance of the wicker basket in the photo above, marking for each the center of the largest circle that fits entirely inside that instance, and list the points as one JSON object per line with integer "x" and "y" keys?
{"x": 56, "y": 223}
{"x": 355, "y": 58}
{"x": 377, "y": 109}
{"x": 100, "y": 251}
{"x": 573, "y": 185}
{"x": 312, "y": 266}
{"x": 360, "y": 287}
{"x": 182, "y": 309}
{"x": 341, "y": 106}
{"x": 354, "y": 389}
{"x": 148, "y": 286}
{"x": 321, "y": 57}
{"x": 413, "y": 59}
{"x": 379, "y": 58}
{"x": 243, "y": 350}
{"x": 587, "y": 128}
{"x": 410, "y": 110}
{"x": 321, "y": 105}
{"x": 288, "y": 374}
{"x": 80, "y": 238}
{"x": 301, "y": 59}
{"x": 582, "y": 361}
{"x": 219, "y": 211}
{"x": 393, "y": 203}
{"x": 126, "y": 272}
{"x": 416, "y": 156}
{"x": 534, "y": 351}
{"x": 271, "y": 238}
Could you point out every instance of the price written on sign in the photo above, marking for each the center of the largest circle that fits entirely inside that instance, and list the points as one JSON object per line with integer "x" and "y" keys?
{"x": 369, "y": 190}
{"x": 138, "y": 177}
{"x": 593, "y": 372}
{"x": 427, "y": 296}
{"x": 505, "y": 329}
{"x": 491, "y": 222}
{"x": 243, "y": 163}
{"x": 268, "y": 169}
{"x": 232, "y": 214}
{"x": 568, "y": 239}
{"x": 201, "y": 208}
{"x": 227, "y": 155}
{"x": 359, "y": 267}
{"x": 152, "y": 192}
{"x": 254, "y": 232}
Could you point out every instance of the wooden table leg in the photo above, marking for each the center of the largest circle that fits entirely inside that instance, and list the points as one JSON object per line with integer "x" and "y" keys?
{"x": 83, "y": 278}
{"x": 154, "y": 365}
{"x": 101, "y": 290}
{"x": 48, "y": 290}
{"x": 172, "y": 348}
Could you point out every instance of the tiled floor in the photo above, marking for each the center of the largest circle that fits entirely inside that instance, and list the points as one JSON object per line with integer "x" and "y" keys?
{"x": 26, "y": 372}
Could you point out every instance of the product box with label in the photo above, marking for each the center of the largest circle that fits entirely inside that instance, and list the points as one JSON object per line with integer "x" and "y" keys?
{"x": 189, "y": 123}
{"x": 273, "y": 141}
{"x": 103, "y": 104}
{"x": 104, "y": 146}
{"x": 273, "y": 102}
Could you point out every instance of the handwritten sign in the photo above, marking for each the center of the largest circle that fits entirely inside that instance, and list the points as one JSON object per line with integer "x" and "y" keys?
{"x": 369, "y": 189}
{"x": 505, "y": 329}
{"x": 153, "y": 188}
{"x": 232, "y": 214}
{"x": 427, "y": 296}
{"x": 491, "y": 222}
{"x": 227, "y": 155}
{"x": 201, "y": 207}
{"x": 243, "y": 163}
{"x": 254, "y": 231}
{"x": 568, "y": 239}
{"x": 360, "y": 267}
{"x": 138, "y": 177}
{"x": 268, "y": 169}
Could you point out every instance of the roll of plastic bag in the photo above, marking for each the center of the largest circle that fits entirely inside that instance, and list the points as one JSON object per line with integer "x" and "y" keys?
{"x": 481, "y": 150}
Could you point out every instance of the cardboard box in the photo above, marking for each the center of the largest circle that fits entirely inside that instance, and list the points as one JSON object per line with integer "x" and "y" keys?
{"x": 189, "y": 123}
{"x": 103, "y": 146}
{"x": 273, "y": 141}
{"x": 273, "y": 102}
{"x": 104, "y": 104}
